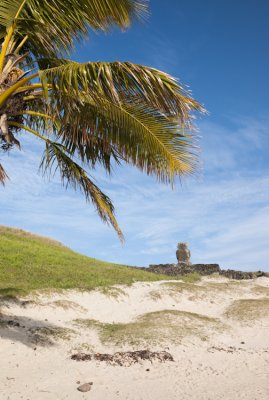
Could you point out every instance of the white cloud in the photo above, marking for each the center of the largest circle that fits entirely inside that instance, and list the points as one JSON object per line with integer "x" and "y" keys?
{"x": 224, "y": 215}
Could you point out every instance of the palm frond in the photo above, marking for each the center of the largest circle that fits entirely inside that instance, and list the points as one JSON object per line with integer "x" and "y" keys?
{"x": 151, "y": 141}
{"x": 95, "y": 112}
{"x": 90, "y": 148}
{"x": 2, "y": 33}
{"x": 3, "y": 175}
{"x": 122, "y": 81}
{"x": 8, "y": 12}
{"x": 137, "y": 133}
{"x": 56, "y": 156}
{"x": 53, "y": 26}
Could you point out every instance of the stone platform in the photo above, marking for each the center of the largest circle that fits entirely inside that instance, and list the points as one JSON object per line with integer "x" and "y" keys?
{"x": 202, "y": 269}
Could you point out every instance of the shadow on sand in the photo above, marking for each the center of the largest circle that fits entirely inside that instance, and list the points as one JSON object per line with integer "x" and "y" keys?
{"x": 31, "y": 332}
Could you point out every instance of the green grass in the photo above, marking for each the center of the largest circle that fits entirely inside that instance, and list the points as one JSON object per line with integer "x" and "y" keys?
{"x": 191, "y": 278}
{"x": 155, "y": 328}
{"x": 29, "y": 262}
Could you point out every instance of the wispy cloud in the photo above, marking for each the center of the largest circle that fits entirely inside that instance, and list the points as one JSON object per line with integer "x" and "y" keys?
{"x": 223, "y": 215}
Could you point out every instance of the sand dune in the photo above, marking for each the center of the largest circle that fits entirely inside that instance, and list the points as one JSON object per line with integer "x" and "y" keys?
{"x": 216, "y": 330}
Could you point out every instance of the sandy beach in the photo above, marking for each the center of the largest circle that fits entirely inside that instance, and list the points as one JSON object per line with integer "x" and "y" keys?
{"x": 216, "y": 331}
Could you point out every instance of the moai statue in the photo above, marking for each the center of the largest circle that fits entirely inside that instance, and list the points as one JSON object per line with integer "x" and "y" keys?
{"x": 183, "y": 254}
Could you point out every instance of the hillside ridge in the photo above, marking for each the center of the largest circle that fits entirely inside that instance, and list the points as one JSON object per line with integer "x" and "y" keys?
{"x": 32, "y": 262}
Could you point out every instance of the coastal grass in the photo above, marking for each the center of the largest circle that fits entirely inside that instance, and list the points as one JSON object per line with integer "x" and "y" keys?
{"x": 29, "y": 262}
{"x": 248, "y": 310}
{"x": 155, "y": 328}
{"x": 49, "y": 335}
{"x": 194, "y": 289}
{"x": 261, "y": 290}
{"x": 66, "y": 305}
{"x": 112, "y": 292}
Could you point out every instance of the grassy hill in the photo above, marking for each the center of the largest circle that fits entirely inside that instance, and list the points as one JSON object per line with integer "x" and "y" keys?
{"x": 29, "y": 262}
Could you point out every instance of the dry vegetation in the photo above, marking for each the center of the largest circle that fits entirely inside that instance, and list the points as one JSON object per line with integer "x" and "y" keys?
{"x": 66, "y": 305}
{"x": 155, "y": 328}
{"x": 112, "y": 291}
{"x": 195, "y": 291}
{"x": 248, "y": 310}
{"x": 49, "y": 335}
{"x": 261, "y": 290}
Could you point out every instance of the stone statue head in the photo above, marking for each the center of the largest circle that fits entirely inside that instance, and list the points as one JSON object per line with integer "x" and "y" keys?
{"x": 182, "y": 245}
{"x": 183, "y": 253}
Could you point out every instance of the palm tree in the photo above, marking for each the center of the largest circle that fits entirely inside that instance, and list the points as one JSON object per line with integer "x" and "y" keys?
{"x": 90, "y": 113}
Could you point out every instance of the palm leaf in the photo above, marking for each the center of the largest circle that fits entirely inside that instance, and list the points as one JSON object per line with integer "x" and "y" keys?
{"x": 52, "y": 26}
{"x": 142, "y": 136}
{"x": 97, "y": 112}
{"x": 73, "y": 174}
{"x": 68, "y": 123}
{"x": 2, "y": 33}
{"x": 3, "y": 175}
{"x": 8, "y": 12}
{"x": 121, "y": 82}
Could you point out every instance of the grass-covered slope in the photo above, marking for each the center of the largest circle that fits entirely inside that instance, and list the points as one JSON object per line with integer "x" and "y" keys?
{"x": 30, "y": 262}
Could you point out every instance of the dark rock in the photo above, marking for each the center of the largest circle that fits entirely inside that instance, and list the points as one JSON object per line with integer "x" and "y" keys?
{"x": 240, "y": 275}
{"x": 202, "y": 269}
{"x": 27, "y": 303}
{"x": 86, "y": 387}
{"x": 13, "y": 323}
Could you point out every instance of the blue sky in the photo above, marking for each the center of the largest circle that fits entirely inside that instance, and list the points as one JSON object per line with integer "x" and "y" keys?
{"x": 220, "y": 49}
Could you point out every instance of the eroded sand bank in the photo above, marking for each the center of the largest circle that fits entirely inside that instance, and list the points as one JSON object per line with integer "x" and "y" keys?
{"x": 217, "y": 331}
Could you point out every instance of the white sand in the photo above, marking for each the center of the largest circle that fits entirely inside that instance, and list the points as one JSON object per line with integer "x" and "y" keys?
{"x": 210, "y": 363}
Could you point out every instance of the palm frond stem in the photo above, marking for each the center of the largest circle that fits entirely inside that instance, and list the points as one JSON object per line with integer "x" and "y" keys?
{"x": 21, "y": 44}
{"x": 5, "y": 45}
{"x": 31, "y": 87}
{"x": 27, "y": 128}
{"x": 33, "y": 96}
{"x": 20, "y": 9}
{"x": 34, "y": 113}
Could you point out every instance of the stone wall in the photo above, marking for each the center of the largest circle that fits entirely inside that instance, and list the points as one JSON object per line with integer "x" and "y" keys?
{"x": 202, "y": 269}
{"x": 231, "y": 273}
{"x": 183, "y": 269}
